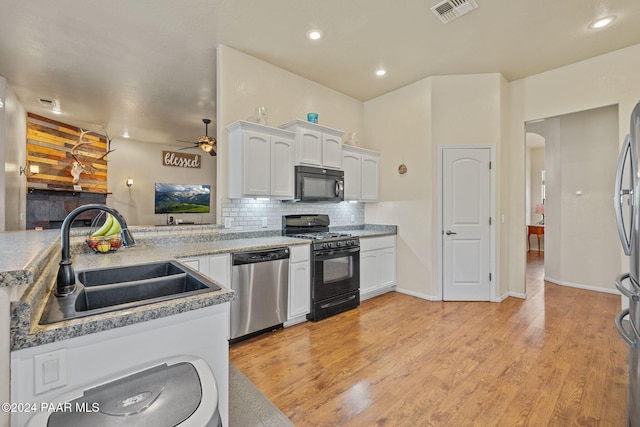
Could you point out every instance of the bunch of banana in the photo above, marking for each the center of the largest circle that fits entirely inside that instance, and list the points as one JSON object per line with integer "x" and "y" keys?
{"x": 109, "y": 228}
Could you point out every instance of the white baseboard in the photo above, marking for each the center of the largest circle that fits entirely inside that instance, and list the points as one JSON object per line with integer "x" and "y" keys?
{"x": 417, "y": 294}
{"x": 295, "y": 320}
{"x": 377, "y": 292}
{"x": 513, "y": 294}
{"x": 580, "y": 286}
{"x": 433, "y": 298}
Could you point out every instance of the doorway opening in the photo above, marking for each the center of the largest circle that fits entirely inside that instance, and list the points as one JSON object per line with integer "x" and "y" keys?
{"x": 570, "y": 170}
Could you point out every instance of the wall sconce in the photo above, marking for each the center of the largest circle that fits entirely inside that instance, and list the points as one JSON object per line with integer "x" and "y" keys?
{"x": 33, "y": 170}
{"x": 129, "y": 182}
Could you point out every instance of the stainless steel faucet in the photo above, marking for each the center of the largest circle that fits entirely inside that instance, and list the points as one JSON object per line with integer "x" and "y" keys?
{"x": 66, "y": 282}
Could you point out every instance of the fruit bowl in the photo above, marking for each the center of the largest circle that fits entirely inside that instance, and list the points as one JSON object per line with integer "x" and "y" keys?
{"x": 105, "y": 238}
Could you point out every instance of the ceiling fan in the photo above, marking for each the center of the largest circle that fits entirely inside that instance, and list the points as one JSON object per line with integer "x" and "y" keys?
{"x": 206, "y": 143}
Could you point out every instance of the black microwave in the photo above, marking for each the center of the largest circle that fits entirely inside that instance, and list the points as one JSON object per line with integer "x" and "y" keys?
{"x": 319, "y": 185}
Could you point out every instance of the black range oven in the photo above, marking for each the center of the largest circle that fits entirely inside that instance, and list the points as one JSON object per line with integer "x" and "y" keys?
{"x": 335, "y": 264}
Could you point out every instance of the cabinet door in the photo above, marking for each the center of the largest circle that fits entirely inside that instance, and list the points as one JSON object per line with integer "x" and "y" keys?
{"x": 368, "y": 272}
{"x": 282, "y": 160}
{"x": 332, "y": 151}
{"x": 370, "y": 178}
{"x": 257, "y": 164}
{"x": 198, "y": 263}
{"x": 299, "y": 289}
{"x": 309, "y": 149}
{"x": 386, "y": 267}
{"x": 352, "y": 175}
{"x": 220, "y": 269}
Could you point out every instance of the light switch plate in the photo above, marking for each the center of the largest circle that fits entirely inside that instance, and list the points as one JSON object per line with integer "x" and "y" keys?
{"x": 265, "y": 222}
{"x": 50, "y": 370}
{"x": 227, "y": 222}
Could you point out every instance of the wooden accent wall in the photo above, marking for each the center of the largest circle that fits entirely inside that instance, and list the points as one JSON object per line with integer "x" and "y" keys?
{"x": 49, "y": 145}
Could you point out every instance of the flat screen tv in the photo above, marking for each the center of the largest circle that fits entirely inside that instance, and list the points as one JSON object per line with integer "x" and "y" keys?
{"x": 182, "y": 198}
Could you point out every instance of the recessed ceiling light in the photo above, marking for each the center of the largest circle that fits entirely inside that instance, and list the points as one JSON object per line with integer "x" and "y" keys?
{"x": 602, "y": 22}
{"x": 314, "y": 34}
{"x": 381, "y": 72}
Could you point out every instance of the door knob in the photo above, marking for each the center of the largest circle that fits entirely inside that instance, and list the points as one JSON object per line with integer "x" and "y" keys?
{"x": 449, "y": 232}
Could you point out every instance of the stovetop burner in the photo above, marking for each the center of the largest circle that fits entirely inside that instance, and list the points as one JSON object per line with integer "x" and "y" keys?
{"x": 316, "y": 228}
{"x": 320, "y": 236}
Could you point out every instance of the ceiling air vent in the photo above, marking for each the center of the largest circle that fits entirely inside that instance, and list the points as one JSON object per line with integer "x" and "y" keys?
{"x": 449, "y": 10}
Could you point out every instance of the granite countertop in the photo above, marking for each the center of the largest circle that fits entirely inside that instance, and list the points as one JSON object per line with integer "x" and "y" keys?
{"x": 24, "y": 254}
{"x": 32, "y": 272}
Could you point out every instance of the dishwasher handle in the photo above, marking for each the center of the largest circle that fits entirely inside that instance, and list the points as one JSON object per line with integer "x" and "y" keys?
{"x": 253, "y": 257}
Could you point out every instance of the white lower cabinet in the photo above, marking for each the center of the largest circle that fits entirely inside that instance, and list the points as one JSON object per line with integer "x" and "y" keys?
{"x": 217, "y": 267}
{"x": 299, "y": 283}
{"x": 51, "y": 374}
{"x": 377, "y": 265}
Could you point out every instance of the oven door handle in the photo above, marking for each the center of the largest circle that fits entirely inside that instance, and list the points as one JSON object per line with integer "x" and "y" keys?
{"x": 340, "y": 301}
{"x": 335, "y": 253}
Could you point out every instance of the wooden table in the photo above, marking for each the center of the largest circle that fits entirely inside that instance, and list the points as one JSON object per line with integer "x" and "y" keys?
{"x": 538, "y": 230}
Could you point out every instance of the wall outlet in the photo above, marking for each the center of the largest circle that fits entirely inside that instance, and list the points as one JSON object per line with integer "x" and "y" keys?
{"x": 228, "y": 222}
{"x": 50, "y": 370}
{"x": 353, "y": 219}
{"x": 265, "y": 222}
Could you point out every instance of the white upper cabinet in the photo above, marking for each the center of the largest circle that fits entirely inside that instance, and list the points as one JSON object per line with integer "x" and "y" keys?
{"x": 352, "y": 166}
{"x": 316, "y": 145}
{"x": 261, "y": 160}
{"x": 361, "y": 174}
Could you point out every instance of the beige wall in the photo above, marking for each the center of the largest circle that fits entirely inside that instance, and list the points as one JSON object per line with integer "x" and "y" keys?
{"x": 245, "y": 82}
{"x": 409, "y": 125}
{"x": 142, "y": 161}
{"x": 16, "y": 155}
{"x": 398, "y": 125}
{"x": 604, "y": 80}
{"x": 581, "y": 235}
{"x": 13, "y": 130}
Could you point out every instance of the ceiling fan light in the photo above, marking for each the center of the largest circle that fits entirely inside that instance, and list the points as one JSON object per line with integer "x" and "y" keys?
{"x": 207, "y": 144}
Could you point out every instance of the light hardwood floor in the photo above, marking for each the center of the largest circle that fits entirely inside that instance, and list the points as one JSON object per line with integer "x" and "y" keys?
{"x": 554, "y": 359}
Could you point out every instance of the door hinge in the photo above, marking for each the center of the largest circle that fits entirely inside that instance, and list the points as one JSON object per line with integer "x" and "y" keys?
{"x": 489, "y": 276}
{"x": 489, "y": 165}
{"x": 489, "y": 220}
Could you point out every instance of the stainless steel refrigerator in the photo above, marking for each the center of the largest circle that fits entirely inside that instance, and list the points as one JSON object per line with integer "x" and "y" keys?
{"x": 627, "y": 208}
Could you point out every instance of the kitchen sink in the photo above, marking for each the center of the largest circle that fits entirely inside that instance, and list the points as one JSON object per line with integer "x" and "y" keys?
{"x": 118, "y": 288}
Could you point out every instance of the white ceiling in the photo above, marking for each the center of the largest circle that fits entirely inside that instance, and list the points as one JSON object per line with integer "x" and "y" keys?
{"x": 148, "y": 66}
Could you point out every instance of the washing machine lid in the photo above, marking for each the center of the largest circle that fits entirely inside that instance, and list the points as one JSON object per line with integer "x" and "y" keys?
{"x": 160, "y": 396}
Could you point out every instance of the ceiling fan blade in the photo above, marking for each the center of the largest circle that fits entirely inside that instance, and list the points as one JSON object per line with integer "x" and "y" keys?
{"x": 186, "y": 142}
{"x": 187, "y": 148}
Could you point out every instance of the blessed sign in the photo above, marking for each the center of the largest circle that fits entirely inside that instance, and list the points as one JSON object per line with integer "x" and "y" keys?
{"x": 181, "y": 160}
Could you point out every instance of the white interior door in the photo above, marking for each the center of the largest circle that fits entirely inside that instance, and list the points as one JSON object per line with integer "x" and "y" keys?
{"x": 466, "y": 224}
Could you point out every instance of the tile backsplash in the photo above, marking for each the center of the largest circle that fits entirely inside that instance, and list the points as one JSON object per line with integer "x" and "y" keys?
{"x": 249, "y": 214}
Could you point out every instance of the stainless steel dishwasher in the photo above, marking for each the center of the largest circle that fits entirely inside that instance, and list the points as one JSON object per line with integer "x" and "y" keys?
{"x": 261, "y": 280}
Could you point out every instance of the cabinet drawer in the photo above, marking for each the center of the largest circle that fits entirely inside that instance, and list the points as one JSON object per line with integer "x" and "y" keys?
{"x": 299, "y": 253}
{"x": 372, "y": 243}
